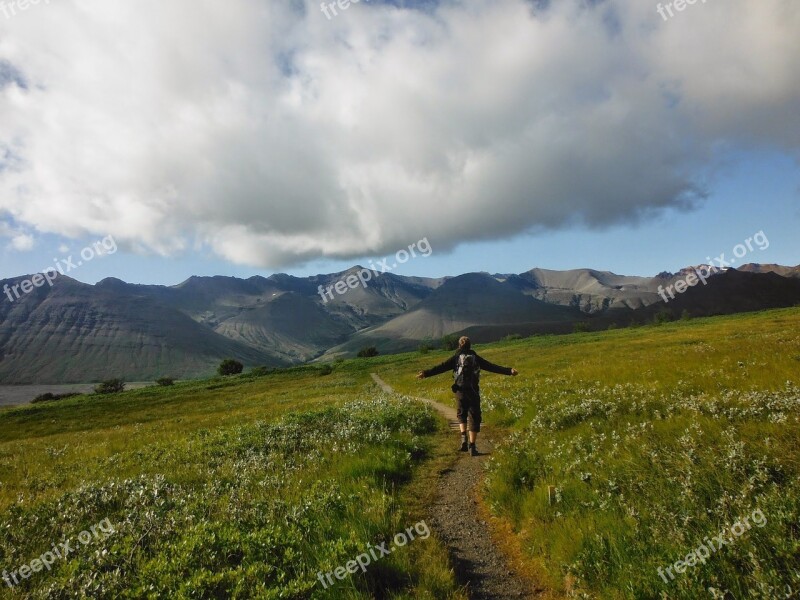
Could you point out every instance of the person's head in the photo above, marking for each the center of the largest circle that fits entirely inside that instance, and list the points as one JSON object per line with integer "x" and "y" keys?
{"x": 464, "y": 343}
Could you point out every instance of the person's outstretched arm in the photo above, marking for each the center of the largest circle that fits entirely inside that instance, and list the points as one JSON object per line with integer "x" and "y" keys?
{"x": 493, "y": 368}
{"x": 447, "y": 365}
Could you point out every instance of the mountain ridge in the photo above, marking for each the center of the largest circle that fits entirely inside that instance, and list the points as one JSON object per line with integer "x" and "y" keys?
{"x": 77, "y": 332}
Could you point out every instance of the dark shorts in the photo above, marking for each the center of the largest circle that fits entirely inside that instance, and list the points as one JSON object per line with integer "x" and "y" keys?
{"x": 468, "y": 409}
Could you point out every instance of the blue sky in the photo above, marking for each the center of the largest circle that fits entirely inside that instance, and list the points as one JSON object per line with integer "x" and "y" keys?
{"x": 511, "y": 134}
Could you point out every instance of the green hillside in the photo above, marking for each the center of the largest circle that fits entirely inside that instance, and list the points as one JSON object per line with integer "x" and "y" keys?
{"x": 652, "y": 440}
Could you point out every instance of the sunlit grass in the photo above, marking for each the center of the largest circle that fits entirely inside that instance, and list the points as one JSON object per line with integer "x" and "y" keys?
{"x": 651, "y": 438}
{"x": 241, "y": 488}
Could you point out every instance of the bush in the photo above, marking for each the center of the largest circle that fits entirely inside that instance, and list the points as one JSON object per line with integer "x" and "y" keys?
{"x": 426, "y": 346}
{"x": 230, "y": 366}
{"x": 48, "y": 397}
{"x": 326, "y": 369}
{"x": 260, "y": 371}
{"x": 511, "y": 337}
{"x": 165, "y": 381}
{"x": 450, "y": 342}
{"x": 662, "y": 317}
{"x": 110, "y": 386}
{"x": 368, "y": 352}
{"x": 580, "y": 327}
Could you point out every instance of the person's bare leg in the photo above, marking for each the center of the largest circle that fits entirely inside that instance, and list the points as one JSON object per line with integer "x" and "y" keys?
{"x": 463, "y": 428}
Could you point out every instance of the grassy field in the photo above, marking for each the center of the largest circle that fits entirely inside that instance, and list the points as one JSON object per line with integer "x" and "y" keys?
{"x": 240, "y": 488}
{"x": 652, "y": 441}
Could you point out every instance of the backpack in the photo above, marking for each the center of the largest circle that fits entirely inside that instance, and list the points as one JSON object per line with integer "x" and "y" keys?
{"x": 467, "y": 372}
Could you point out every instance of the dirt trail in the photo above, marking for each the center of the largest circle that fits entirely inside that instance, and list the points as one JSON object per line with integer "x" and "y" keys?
{"x": 456, "y": 519}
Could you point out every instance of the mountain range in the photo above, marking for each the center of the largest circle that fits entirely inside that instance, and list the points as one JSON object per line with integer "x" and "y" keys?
{"x": 76, "y": 332}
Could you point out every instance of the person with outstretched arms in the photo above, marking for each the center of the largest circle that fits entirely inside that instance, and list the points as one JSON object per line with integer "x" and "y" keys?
{"x": 466, "y": 366}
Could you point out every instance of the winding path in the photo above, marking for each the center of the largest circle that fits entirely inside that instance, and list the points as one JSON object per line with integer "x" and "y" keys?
{"x": 456, "y": 519}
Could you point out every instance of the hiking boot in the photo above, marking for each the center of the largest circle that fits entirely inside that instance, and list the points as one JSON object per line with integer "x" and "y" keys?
{"x": 473, "y": 450}
{"x": 464, "y": 446}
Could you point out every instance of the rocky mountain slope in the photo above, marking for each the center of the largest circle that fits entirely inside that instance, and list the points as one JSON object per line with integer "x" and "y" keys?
{"x": 74, "y": 332}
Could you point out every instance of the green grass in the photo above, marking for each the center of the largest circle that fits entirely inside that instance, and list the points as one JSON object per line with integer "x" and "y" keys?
{"x": 652, "y": 439}
{"x": 235, "y": 488}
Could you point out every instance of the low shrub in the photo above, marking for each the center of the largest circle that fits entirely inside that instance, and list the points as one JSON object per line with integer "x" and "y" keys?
{"x": 580, "y": 327}
{"x": 260, "y": 371}
{"x": 48, "y": 397}
{"x": 110, "y": 386}
{"x": 450, "y": 342}
{"x": 230, "y": 366}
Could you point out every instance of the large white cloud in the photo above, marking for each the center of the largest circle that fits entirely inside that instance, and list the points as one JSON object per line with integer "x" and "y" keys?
{"x": 273, "y": 134}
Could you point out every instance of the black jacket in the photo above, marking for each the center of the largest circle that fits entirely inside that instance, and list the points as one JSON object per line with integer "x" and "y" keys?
{"x": 450, "y": 365}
